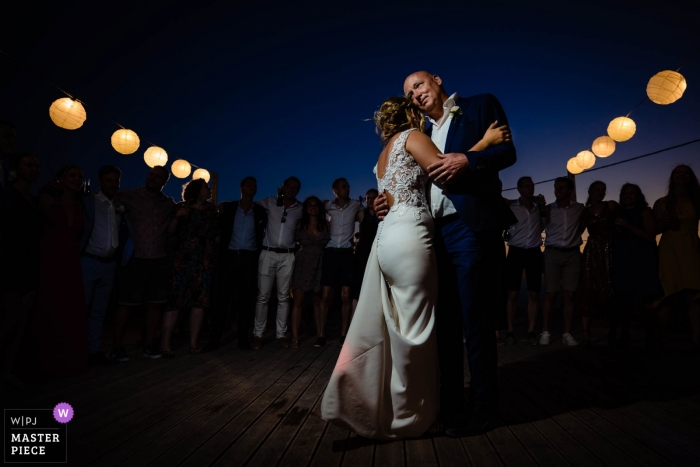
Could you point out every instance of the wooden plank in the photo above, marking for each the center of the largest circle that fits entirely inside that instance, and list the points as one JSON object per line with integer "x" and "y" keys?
{"x": 449, "y": 451}
{"x": 480, "y": 451}
{"x": 420, "y": 452}
{"x": 226, "y": 438}
{"x": 391, "y": 454}
{"x": 291, "y": 425}
{"x": 358, "y": 451}
{"x": 331, "y": 447}
{"x": 205, "y": 424}
{"x": 248, "y": 443}
{"x": 141, "y": 432}
{"x": 678, "y": 423}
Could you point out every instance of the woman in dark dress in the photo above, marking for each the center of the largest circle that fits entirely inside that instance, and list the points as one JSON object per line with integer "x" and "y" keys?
{"x": 195, "y": 227}
{"x": 20, "y": 272}
{"x": 58, "y": 330}
{"x": 312, "y": 235}
{"x": 635, "y": 264}
{"x": 596, "y": 261}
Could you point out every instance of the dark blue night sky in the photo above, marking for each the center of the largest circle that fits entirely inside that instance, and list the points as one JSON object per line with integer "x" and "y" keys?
{"x": 276, "y": 90}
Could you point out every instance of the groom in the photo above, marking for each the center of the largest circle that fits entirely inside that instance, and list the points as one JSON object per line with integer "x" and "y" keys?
{"x": 470, "y": 215}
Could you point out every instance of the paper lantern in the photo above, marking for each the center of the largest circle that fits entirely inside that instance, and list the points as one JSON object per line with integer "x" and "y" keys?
{"x": 573, "y": 167}
{"x": 201, "y": 173}
{"x": 666, "y": 87}
{"x": 603, "y": 146}
{"x": 621, "y": 129}
{"x": 125, "y": 141}
{"x": 585, "y": 159}
{"x": 181, "y": 168}
{"x": 67, "y": 113}
{"x": 155, "y": 156}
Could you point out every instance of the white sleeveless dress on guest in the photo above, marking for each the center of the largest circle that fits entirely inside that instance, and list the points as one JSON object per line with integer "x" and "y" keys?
{"x": 385, "y": 383}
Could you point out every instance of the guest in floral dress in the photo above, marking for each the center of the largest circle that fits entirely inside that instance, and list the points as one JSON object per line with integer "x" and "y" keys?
{"x": 195, "y": 228}
{"x": 312, "y": 235}
{"x": 596, "y": 261}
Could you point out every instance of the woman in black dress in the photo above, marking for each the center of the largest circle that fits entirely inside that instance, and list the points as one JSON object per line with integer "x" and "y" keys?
{"x": 312, "y": 235}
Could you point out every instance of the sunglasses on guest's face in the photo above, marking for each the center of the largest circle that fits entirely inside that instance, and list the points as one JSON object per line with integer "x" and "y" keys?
{"x": 284, "y": 217}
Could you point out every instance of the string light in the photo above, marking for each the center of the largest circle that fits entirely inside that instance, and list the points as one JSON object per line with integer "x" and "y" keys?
{"x": 67, "y": 113}
{"x": 125, "y": 141}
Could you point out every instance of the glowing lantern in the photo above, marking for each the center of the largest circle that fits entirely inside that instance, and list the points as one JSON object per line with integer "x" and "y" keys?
{"x": 155, "y": 156}
{"x": 585, "y": 159}
{"x": 573, "y": 167}
{"x": 666, "y": 87}
{"x": 67, "y": 113}
{"x": 621, "y": 129}
{"x": 125, "y": 141}
{"x": 201, "y": 173}
{"x": 603, "y": 146}
{"x": 181, "y": 168}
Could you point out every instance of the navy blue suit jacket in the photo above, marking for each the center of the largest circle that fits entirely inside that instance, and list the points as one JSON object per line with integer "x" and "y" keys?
{"x": 477, "y": 196}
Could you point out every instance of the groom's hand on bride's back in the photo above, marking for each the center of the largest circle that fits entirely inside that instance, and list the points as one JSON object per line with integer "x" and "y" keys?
{"x": 381, "y": 207}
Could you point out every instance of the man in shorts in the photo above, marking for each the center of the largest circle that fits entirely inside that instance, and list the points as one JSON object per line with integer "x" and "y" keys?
{"x": 143, "y": 279}
{"x": 525, "y": 253}
{"x": 338, "y": 268}
{"x": 562, "y": 256}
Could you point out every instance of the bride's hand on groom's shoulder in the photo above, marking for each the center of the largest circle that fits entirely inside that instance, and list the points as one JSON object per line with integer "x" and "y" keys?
{"x": 381, "y": 207}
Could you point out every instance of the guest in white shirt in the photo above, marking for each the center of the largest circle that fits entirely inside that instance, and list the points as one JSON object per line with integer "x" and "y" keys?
{"x": 562, "y": 256}
{"x": 338, "y": 268}
{"x": 98, "y": 257}
{"x": 277, "y": 259}
{"x": 525, "y": 253}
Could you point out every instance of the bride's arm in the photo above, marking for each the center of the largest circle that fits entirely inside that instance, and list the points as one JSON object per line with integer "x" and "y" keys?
{"x": 494, "y": 136}
{"x": 422, "y": 148}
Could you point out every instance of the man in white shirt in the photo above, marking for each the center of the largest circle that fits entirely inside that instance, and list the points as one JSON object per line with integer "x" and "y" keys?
{"x": 562, "y": 256}
{"x": 98, "y": 258}
{"x": 277, "y": 259}
{"x": 338, "y": 268}
{"x": 525, "y": 253}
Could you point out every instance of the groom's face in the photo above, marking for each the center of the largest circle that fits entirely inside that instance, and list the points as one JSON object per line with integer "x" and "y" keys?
{"x": 425, "y": 91}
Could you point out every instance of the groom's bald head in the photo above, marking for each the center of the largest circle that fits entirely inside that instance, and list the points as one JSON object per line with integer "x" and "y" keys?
{"x": 426, "y": 92}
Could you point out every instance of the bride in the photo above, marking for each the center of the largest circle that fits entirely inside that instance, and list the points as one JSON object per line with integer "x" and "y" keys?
{"x": 385, "y": 382}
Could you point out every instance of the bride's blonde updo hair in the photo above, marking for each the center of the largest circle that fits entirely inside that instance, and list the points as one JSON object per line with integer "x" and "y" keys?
{"x": 395, "y": 115}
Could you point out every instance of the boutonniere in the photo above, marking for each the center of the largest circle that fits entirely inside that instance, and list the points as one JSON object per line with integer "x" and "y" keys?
{"x": 120, "y": 209}
{"x": 456, "y": 111}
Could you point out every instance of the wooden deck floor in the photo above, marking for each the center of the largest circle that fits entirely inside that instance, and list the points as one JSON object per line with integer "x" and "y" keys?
{"x": 558, "y": 406}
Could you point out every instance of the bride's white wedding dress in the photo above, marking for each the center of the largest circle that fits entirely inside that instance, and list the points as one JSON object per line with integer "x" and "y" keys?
{"x": 385, "y": 383}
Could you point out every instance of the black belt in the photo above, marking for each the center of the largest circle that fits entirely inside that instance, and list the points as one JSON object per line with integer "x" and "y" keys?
{"x": 101, "y": 259}
{"x": 278, "y": 250}
{"x": 558, "y": 248}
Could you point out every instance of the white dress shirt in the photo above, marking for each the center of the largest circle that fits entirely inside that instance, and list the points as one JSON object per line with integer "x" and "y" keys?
{"x": 563, "y": 227}
{"x": 280, "y": 234}
{"x": 342, "y": 223}
{"x": 104, "y": 239}
{"x": 527, "y": 232}
{"x": 440, "y": 204}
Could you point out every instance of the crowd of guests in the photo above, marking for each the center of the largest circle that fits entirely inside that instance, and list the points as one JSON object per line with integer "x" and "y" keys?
{"x": 66, "y": 251}
{"x": 621, "y": 269}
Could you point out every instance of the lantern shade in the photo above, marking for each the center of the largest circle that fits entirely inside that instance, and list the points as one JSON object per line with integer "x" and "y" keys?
{"x": 67, "y": 113}
{"x": 622, "y": 129}
{"x": 181, "y": 168}
{"x": 125, "y": 141}
{"x": 573, "y": 167}
{"x": 201, "y": 173}
{"x": 603, "y": 146}
{"x": 585, "y": 159}
{"x": 666, "y": 87}
{"x": 155, "y": 156}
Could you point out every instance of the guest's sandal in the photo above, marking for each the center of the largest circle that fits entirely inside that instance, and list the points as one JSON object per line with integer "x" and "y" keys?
{"x": 294, "y": 343}
{"x": 168, "y": 353}
{"x": 194, "y": 350}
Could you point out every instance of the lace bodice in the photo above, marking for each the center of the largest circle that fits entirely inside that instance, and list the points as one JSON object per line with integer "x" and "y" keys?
{"x": 404, "y": 179}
